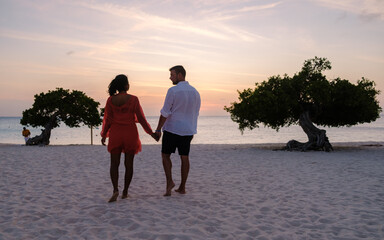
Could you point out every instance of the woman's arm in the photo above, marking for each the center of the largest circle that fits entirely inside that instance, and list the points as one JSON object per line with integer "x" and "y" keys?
{"x": 141, "y": 118}
{"x": 107, "y": 121}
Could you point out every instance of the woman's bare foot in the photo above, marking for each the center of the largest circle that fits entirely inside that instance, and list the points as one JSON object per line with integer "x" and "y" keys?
{"x": 169, "y": 189}
{"x": 114, "y": 197}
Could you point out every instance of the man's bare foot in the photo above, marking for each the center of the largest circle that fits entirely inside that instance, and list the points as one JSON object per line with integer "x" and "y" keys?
{"x": 125, "y": 195}
{"x": 180, "y": 190}
{"x": 169, "y": 189}
{"x": 114, "y": 197}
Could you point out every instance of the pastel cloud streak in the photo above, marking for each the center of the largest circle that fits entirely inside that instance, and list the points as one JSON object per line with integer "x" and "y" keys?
{"x": 366, "y": 9}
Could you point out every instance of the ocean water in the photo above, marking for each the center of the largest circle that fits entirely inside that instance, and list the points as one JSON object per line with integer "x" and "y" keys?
{"x": 211, "y": 130}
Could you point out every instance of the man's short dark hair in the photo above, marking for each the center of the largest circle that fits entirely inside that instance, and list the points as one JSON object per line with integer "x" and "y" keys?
{"x": 179, "y": 69}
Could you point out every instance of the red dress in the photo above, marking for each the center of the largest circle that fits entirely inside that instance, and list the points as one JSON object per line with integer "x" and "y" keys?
{"x": 119, "y": 124}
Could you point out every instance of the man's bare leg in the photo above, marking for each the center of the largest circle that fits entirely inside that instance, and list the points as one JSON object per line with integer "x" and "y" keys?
{"x": 114, "y": 173}
{"x": 128, "y": 173}
{"x": 167, "y": 165}
{"x": 184, "y": 173}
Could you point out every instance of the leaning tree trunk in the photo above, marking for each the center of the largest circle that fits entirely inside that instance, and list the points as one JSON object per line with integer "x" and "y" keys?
{"x": 317, "y": 138}
{"x": 43, "y": 138}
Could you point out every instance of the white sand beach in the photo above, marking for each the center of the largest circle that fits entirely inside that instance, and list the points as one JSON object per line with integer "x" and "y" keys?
{"x": 233, "y": 192}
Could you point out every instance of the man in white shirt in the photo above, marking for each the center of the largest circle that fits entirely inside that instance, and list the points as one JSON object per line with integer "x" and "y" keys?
{"x": 178, "y": 120}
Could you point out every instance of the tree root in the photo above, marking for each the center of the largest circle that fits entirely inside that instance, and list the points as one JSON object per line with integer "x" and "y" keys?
{"x": 294, "y": 145}
{"x": 317, "y": 138}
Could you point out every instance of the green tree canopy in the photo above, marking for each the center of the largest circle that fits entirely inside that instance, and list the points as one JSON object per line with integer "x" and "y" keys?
{"x": 62, "y": 105}
{"x": 282, "y": 100}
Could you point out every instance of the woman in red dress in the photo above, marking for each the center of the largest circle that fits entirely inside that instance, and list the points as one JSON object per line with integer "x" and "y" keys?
{"x": 121, "y": 113}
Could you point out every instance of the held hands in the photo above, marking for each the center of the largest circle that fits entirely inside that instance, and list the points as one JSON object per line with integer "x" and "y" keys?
{"x": 156, "y": 135}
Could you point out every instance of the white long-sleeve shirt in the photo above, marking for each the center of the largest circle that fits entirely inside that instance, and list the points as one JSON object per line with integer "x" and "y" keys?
{"x": 181, "y": 108}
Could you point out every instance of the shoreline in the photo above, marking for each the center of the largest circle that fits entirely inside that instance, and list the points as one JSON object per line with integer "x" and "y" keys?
{"x": 257, "y": 145}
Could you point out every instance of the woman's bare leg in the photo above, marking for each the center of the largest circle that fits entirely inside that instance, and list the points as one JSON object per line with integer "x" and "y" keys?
{"x": 114, "y": 173}
{"x": 128, "y": 173}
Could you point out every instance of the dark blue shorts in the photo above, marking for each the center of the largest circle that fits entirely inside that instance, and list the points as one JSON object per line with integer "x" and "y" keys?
{"x": 172, "y": 141}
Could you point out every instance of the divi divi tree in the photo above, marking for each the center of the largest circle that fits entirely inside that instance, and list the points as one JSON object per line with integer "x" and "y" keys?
{"x": 61, "y": 105}
{"x": 307, "y": 98}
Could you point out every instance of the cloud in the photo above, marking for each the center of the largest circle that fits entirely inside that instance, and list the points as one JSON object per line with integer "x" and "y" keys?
{"x": 180, "y": 42}
{"x": 371, "y": 16}
{"x": 146, "y": 21}
{"x": 211, "y": 24}
{"x": 367, "y": 10}
{"x": 258, "y": 7}
{"x": 47, "y": 38}
{"x": 210, "y": 90}
{"x": 142, "y": 25}
{"x": 223, "y": 13}
{"x": 372, "y": 59}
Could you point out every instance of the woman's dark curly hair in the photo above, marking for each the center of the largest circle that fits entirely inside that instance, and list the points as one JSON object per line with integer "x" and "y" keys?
{"x": 118, "y": 84}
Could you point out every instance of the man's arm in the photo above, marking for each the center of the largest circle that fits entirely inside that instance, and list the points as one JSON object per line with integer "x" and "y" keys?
{"x": 160, "y": 125}
{"x": 165, "y": 112}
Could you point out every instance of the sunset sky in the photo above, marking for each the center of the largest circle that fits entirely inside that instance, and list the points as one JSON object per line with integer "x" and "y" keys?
{"x": 225, "y": 46}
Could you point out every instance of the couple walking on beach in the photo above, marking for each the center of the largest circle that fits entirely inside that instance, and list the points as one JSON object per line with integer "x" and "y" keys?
{"x": 178, "y": 120}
